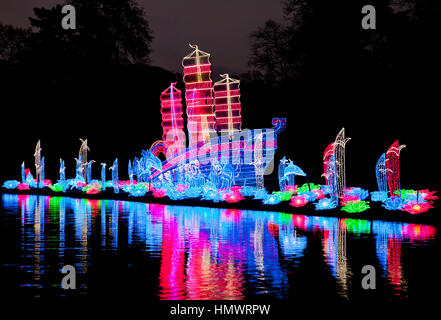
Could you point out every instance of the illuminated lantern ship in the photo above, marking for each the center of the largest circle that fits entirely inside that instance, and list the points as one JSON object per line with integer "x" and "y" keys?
{"x": 222, "y": 162}
{"x": 235, "y": 157}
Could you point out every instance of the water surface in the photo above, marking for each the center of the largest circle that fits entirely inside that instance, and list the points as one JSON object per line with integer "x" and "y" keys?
{"x": 176, "y": 252}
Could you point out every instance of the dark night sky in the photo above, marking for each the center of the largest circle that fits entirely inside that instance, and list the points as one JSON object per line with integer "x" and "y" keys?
{"x": 177, "y": 23}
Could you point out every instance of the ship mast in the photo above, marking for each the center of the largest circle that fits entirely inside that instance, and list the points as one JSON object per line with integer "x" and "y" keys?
{"x": 199, "y": 96}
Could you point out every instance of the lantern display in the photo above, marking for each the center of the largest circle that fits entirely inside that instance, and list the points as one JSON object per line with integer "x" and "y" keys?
{"x": 199, "y": 95}
{"x": 172, "y": 122}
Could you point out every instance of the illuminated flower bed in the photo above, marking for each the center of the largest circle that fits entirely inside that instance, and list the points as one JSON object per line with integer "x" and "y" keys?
{"x": 414, "y": 207}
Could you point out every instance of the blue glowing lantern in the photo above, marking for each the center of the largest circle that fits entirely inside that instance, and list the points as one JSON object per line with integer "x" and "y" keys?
{"x": 130, "y": 170}
{"x": 41, "y": 173}
{"x": 79, "y": 169}
{"x": 62, "y": 180}
{"x": 115, "y": 179}
{"x": 23, "y": 174}
{"x": 89, "y": 171}
{"x": 380, "y": 171}
{"x": 282, "y": 181}
{"x": 103, "y": 176}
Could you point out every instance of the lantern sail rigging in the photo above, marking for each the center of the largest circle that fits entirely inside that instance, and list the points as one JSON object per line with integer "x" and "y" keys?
{"x": 172, "y": 121}
{"x": 235, "y": 156}
{"x": 227, "y": 105}
{"x": 199, "y": 96}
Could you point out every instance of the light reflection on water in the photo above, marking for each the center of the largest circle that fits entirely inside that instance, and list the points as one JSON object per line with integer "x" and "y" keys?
{"x": 202, "y": 253}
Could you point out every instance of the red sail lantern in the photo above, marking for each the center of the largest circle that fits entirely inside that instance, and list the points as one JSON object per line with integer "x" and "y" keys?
{"x": 172, "y": 121}
{"x": 198, "y": 95}
{"x": 393, "y": 167}
{"x": 227, "y": 105}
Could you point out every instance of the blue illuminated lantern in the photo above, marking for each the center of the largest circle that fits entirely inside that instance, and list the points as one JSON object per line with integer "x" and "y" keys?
{"x": 393, "y": 203}
{"x": 381, "y": 173}
{"x": 332, "y": 179}
{"x": 130, "y": 171}
{"x": 11, "y": 184}
{"x": 282, "y": 180}
{"x": 378, "y": 195}
{"x": 23, "y": 173}
{"x": 89, "y": 171}
{"x": 115, "y": 179}
{"x": 326, "y": 204}
{"x": 103, "y": 176}
{"x": 42, "y": 173}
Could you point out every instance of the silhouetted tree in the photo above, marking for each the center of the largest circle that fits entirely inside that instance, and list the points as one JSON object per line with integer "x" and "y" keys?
{"x": 269, "y": 53}
{"x": 324, "y": 41}
{"x": 12, "y": 42}
{"x": 108, "y": 31}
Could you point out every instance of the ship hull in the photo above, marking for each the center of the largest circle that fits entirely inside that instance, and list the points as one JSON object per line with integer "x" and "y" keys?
{"x": 248, "y": 152}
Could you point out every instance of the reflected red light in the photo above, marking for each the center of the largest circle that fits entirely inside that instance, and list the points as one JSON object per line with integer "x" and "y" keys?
{"x": 418, "y": 232}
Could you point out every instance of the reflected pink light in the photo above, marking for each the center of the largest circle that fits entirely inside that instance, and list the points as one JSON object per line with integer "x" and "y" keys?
{"x": 394, "y": 262}
{"x": 418, "y": 232}
{"x": 300, "y": 222}
{"x": 232, "y": 214}
{"x": 171, "y": 274}
{"x": 415, "y": 207}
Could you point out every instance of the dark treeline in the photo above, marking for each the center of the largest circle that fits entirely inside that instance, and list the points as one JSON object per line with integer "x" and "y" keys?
{"x": 317, "y": 67}
{"x": 322, "y": 70}
{"x": 94, "y": 82}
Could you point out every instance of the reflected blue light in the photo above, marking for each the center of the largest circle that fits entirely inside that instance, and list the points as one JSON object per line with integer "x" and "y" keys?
{"x": 198, "y": 248}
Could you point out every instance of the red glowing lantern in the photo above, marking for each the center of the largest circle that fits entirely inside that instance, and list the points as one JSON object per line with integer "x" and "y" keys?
{"x": 172, "y": 121}
{"x": 329, "y": 152}
{"x": 233, "y": 197}
{"x": 159, "y": 193}
{"x": 428, "y": 195}
{"x": 198, "y": 95}
{"x": 93, "y": 189}
{"x": 227, "y": 105}
{"x": 298, "y": 201}
{"x": 393, "y": 167}
{"x": 23, "y": 186}
{"x": 415, "y": 207}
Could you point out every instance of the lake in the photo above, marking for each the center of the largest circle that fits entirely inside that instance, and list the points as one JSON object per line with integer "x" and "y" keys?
{"x": 165, "y": 252}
